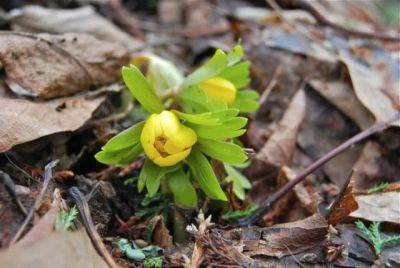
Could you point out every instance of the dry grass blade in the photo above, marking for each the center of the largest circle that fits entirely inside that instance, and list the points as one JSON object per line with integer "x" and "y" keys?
{"x": 48, "y": 175}
{"x": 84, "y": 211}
{"x": 10, "y": 187}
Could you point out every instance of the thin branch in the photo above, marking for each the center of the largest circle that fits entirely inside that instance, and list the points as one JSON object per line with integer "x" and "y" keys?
{"x": 314, "y": 8}
{"x": 48, "y": 175}
{"x": 84, "y": 211}
{"x": 10, "y": 187}
{"x": 268, "y": 203}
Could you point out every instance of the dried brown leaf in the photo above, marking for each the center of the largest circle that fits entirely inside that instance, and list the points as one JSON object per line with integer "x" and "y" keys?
{"x": 278, "y": 150}
{"x": 51, "y": 66}
{"x": 79, "y": 20}
{"x": 343, "y": 207}
{"x": 342, "y": 96}
{"x": 369, "y": 86}
{"x": 66, "y": 249}
{"x": 161, "y": 236}
{"x": 23, "y": 120}
{"x": 378, "y": 207}
{"x": 281, "y": 239}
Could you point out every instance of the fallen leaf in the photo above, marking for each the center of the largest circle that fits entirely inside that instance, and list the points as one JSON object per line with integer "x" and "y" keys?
{"x": 369, "y": 87}
{"x": 324, "y": 128}
{"x": 375, "y": 165}
{"x": 279, "y": 148}
{"x": 378, "y": 207}
{"x": 281, "y": 239}
{"x": 161, "y": 236}
{"x": 45, "y": 225}
{"x": 65, "y": 249}
{"x": 80, "y": 20}
{"x": 342, "y": 96}
{"x": 343, "y": 207}
{"x": 23, "y": 120}
{"x": 51, "y": 66}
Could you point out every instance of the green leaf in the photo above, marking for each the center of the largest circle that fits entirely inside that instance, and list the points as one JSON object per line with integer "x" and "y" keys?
{"x": 204, "y": 174}
{"x": 208, "y": 118}
{"x": 111, "y": 157}
{"x": 141, "y": 89}
{"x": 246, "y": 101}
{"x": 150, "y": 176}
{"x": 238, "y": 75}
{"x": 230, "y": 128}
{"x": 134, "y": 152}
{"x": 182, "y": 189}
{"x": 210, "y": 69}
{"x": 240, "y": 182}
{"x": 195, "y": 100}
{"x": 226, "y": 152}
{"x": 235, "y": 55}
{"x": 124, "y": 139}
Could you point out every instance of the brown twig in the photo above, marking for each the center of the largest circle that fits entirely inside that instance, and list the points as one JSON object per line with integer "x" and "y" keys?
{"x": 314, "y": 8}
{"x": 10, "y": 188}
{"x": 48, "y": 175}
{"x": 267, "y": 204}
{"x": 83, "y": 207}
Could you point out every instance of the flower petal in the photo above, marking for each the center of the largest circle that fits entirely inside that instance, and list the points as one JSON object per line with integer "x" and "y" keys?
{"x": 180, "y": 135}
{"x": 148, "y": 137}
{"x": 171, "y": 159}
{"x": 220, "y": 89}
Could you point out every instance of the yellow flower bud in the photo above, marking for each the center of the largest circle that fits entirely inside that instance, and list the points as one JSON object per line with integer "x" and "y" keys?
{"x": 220, "y": 89}
{"x": 165, "y": 140}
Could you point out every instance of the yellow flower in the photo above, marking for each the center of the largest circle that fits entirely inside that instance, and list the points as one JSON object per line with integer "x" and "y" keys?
{"x": 220, "y": 89}
{"x": 165, "y": 140}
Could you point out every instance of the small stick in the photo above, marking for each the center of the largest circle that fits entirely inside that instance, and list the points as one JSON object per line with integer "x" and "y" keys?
{"x": 10, "y": 187}
{"x": 267, "y": 204}
{"x": 84, "y": 212}
{"x": 48, "y": 175}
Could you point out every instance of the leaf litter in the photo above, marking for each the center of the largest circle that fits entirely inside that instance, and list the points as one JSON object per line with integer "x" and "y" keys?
{"x": 322, "y": 85}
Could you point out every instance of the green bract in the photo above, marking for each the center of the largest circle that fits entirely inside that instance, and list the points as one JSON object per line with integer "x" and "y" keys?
{"x": 180, "y": 143}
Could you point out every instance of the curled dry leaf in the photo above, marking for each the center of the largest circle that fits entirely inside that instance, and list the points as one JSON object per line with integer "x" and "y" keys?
{"x": 343, "y": 206}
{"x": 161, "y": 236}
{"x": 373, "y": 91}
{"x": 281, "y": 239}
{"x": 79, "y": 20}
{"x": 374, "y": 166}
{"x": 66, "y": 249}
{"x": 23, "y": 120}
{"x": 378, "y": 207}
{"x": 342, "y": 96}
{"x": 279, "y": 148}
{"x": 51, "y": 66}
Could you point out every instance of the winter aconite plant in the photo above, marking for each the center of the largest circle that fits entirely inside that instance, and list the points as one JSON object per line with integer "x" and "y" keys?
{"x": 179, "y": 143}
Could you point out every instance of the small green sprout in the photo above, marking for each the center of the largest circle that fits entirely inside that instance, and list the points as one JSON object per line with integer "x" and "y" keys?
{"x": 155, "y": 262}
{"x": 238, "y": 214}
{"x": 178, "y": 144}
{"x": 373, "y": 234}
{"x": 378, "y": 189}
{"x": 65, "y": 219}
